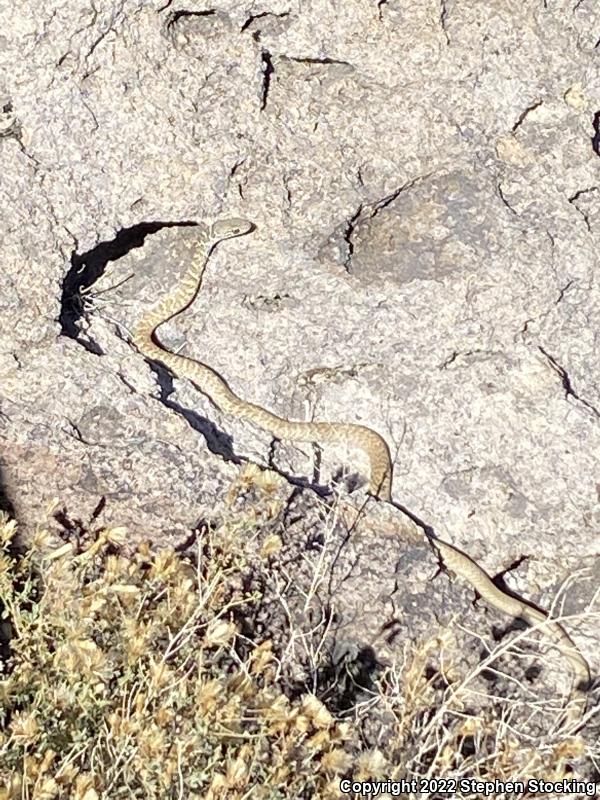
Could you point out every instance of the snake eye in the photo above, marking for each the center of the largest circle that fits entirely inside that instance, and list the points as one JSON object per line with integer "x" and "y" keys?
{"x": 226, "y": 228}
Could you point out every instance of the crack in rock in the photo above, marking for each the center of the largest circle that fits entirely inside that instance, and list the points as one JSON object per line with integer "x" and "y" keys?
{"x": 380, "y": 5}
{"x": 232, "y": 173}
{"x": 596, "y": 125}
{"x": 268, "y": 70}
{"x": 75, "y": 433}
{"x": 379, "y": 205}
{"x": 253, "y": 17}
{"x": 88, "y": 267}
{"x": 375, "y": 207}
{"x": 348, "y": 234}
{"x": 502, "y": 197}
{"x": 444, "y": 20}
{"x": 525, "y": 113}
{"x": 177, "y": 15}
{"x": 499, "y": 578}
{"x": 218, "y": 442}
{"x": 566, "y": 382}
{"x": 325, "y": 60}
{"x": 563, "y": 291}
{"x": 573, "y": 202}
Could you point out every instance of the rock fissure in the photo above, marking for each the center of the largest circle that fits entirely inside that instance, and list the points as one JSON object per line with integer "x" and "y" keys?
{"x": 88, "y": 267}
{"x": 374, "y": 206}
{"x": 380, "y": 5}
{"x": 182, "y": 13}
{"x": 596, "y": 126}
{"x": 252, "y": 18}
{"x": 566, "y": 382}
{"x": 218, "y": 442}
{"x": 326, "y": 60}
{"x": 502, "y": 197}
{"x": 573, "y": 201}
{"x": 444, "y": 20}
{"x": 563, "y": 291}
{"x": 379, "y": 205}
{"x": 348, "y": 234}
{"x": 268, "y": 70}
{"x": 525, "y": 113}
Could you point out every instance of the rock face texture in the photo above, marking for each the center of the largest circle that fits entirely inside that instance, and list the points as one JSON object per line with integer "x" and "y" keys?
{"x": 424, "y": 179}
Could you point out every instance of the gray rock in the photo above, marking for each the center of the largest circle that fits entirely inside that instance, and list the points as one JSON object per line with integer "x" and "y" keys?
{"x": 424, "y": 183}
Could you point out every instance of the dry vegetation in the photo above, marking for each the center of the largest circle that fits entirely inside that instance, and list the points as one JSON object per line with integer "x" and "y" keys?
{"x": 138, "y": 672}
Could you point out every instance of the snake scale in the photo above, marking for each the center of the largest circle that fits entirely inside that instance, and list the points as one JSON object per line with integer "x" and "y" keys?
{"x": 358, "y": 436}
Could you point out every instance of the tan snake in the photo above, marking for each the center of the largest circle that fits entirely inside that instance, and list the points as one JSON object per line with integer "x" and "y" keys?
{"x": 358, "y": 436}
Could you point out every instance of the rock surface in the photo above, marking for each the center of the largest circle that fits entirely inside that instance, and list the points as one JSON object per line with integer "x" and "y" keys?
{"x": 424, "y": 179}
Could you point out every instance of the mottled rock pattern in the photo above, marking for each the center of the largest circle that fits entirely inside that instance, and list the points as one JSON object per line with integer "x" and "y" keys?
{"x": 425, "y": 183}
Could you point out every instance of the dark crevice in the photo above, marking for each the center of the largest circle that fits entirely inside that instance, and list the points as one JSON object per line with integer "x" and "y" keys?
{"x": 596, "y": 124}
{"x": 75, "y": 433}
{"x": 450, "y": 360}
{"x": 374, "y": 208}
{"x": 349, "y": 678}
{"x": 95, "y": 44}
{"x": 505, "y": 201}
{"x": 232, "y": 173}
{"x": 563, "y": 291}
{"x": 12, "y": 129}
{"x": 288, "y": 191}
{"x": 268, "y": 70}
{"x": 578, "y": 194}
{"x": 573, "y": 200}
{"x": 177, "y": 15}
{"x": 219, "y": 443}
{"x": 326, "y": 60}
{"x": 89, "y": 344}
{"x": 348, "y": 234}
{"x": 465, "y": 354}
{"x": 6, "y": 503}
{"x": 386, "y": 201}
{"x": 444, "y": 19}
{"x": 522, "y": 117}
{"x": 499, "y": 581}
{"x": 566, "y": 382}
{"x": 514, "y": 565}
{"x": 125, "y": 382}
{"x": 525, "y": 327}
{"x": 379, "y": 205}
{"x": 236, "y": 166}
{"x": 87, "y": 268}
{"x": 380, "y": 5}
{"x": 253, "y": 17}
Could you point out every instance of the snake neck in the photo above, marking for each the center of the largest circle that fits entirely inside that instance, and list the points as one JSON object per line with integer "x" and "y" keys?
{"x": 177, "y": 302}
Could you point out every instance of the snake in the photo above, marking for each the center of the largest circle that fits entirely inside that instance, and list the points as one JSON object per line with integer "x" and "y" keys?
{"x": 361, "y": 437}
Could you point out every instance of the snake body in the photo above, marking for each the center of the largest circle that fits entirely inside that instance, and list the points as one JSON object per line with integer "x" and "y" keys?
{"x": 359, "y": 436}
{"x": 464, "y": 566}
{"x": 216, "y": 388}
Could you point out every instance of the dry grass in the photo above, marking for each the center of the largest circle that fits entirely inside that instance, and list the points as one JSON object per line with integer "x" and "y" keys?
{"x": 137, "y": 673}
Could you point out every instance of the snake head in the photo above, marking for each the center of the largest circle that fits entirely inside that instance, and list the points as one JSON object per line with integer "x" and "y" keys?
{"x": 228, "y": 228}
